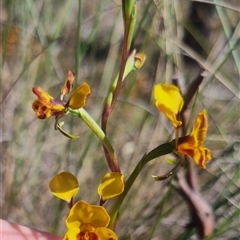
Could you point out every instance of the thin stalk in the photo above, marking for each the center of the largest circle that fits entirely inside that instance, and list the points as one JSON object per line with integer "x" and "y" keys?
{"x": 161, "y": 150}
{"x": 125, "y": 53}
{"x": 83, "y": 114}
{"x": 78, "y": 42}
{"x": 128, "y": 185}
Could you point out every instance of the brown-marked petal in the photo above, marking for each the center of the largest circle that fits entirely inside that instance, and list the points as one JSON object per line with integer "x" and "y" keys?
{"x": 47, "y": 100}
{"x": 42, "y": 96}
{"x": 87, "y": 232}
{"x": 42, "y": 112}
{"x": 67, "y": 87}
{"x": 192, "y": 145}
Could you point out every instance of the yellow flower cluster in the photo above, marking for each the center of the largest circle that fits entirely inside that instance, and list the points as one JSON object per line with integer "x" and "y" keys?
{"x": 86, "y": 221}
{"x": 169, "y": 101}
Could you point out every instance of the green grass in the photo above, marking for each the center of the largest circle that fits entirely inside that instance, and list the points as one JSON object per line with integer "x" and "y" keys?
{"x": 42, "y": 40}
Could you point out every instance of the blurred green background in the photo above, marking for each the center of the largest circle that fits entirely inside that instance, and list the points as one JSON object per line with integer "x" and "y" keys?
{"x": 39, "y": 42}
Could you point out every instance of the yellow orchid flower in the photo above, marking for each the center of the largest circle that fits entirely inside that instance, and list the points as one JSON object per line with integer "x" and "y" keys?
{"x": 169, "y": 101}
{"x": 87, "y": 221}
{"x": 192, "y": 145}
{"x": 64, "y": 186}
{"x": 46, "y": 106}
{"x": 111, "y": 186}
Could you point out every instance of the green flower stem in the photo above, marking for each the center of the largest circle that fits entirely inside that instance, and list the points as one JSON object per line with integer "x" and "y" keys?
{"x": 129, "y": 18}
{"x": 131, "y": 26}
{"x": 83, "y": 114}
{"x": 127, "y": 8}
{"x": 161, "y": 150}
{"x": 120, "y": 199}
{"x": 108, "y": 104}
{"x": 129, "y": 67}
{"x": 78, "y": 42}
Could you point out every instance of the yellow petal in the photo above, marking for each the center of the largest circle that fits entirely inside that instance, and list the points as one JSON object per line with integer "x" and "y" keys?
{"x": 105, "y": 234}
{"x": 72, "y": 234}
{"x": 200, "y": 128}
{"x": 64, "y": 186}
{"x": 168, "y": 100}
{"x": 82, "y": 212}
{"x": 111, "y": 186}
{"x": 79, "y": 97}
{"x": 172, "y": 116}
